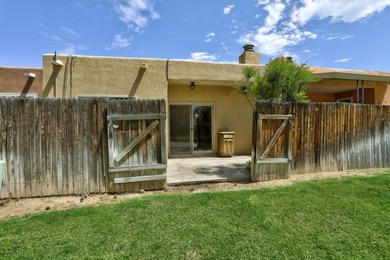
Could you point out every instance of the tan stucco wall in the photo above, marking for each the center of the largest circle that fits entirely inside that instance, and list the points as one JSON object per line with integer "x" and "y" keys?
{"x": 232, "y": 112}
{"x": 105, "y": 76}
{"x": 112, "y": 76}
{"x": 182, "y": 72}
{"x": 12, "y": 80}
{"x": 375, "y": 92}
{"x": 382, "y": 94}
{"x": 332, "y": 86}
{"x": 321, "y": 97}
{"x": 170, "y": 79}
{"x": 369, "y": 96}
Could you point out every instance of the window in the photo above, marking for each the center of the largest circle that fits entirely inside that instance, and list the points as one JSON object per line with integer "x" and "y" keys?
{"x": 345, "y": 100}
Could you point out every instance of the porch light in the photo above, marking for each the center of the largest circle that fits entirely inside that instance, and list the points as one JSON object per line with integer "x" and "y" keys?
{"x": 56, "y": 62}
{"x": 192, "y": 85}
{"x": 29, "y": 75}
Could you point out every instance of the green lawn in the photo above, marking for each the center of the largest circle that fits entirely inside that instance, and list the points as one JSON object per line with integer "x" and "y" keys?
{"x": 345, "y": 218}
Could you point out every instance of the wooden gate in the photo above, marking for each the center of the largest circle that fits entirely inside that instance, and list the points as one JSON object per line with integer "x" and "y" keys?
{"x": 137, "y": 148}
{"x": 271, "y": 151}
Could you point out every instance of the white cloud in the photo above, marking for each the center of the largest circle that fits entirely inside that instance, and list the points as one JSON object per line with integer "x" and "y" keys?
{"x": 62, "y": 43}
{"x": 69, "y": 49}
{"x": 275, "y": 11}
{"x": 284, "y": 25}
{"x": 226, "y": 48}
{"x": 337, "y": 37}
{"x": 70, "y": 33}
{"x": 275, "y": 36}
{"x": 234, "y": 27}
{"x": 135, "y": 13}
{"x": 346, "y": 37}
{"x": 119, "y": 42}
{"x": 341, "y": 10}
{"x": 209, "y": 37}
{"x": 275, "y": 44}
{"x": 262, "y": 2}
{"x": 47, "y": 33}
{"x": 310, "y": 53}
{"x": 79, "y": 7}
{"x": 344, "y": 60}
{"x": 228, "y": 9}
{"x": 203, "y": 56}
{"x": 51, "y": 36}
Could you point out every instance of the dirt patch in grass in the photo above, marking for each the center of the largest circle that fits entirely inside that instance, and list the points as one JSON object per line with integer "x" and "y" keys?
{"x": 19, "y": 207}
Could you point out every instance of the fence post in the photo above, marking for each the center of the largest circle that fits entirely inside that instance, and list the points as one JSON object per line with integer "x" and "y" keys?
{"x": 2, "y": 173}
{"x": 254, "y": 146}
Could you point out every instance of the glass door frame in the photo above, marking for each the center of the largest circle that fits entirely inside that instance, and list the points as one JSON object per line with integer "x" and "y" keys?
{"x": 192, "y": 152}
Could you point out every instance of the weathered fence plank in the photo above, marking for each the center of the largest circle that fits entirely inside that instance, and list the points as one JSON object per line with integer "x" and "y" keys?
{"x": 59, "y": 146}
{"x": 136, "y": 147}
{"x": 332, "y": 136}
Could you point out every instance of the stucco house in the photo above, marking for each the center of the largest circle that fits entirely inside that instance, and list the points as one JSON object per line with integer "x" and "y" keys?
{"x": 200, "y": 97}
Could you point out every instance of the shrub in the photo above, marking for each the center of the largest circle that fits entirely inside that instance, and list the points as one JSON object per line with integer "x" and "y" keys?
{"x": 282, "y": 80}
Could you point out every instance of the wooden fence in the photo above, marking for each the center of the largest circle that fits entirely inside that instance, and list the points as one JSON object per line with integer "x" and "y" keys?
{"x": 60, "y": 146}
{"x": 323, "y": 137}
{"x": 75, "y": 146}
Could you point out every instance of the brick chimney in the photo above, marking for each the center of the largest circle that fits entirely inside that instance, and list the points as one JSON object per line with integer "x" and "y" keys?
{"x": 249, "y": 56}
{"x": 284, "y": 58}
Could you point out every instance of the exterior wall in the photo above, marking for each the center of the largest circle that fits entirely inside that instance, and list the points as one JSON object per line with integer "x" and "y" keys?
{"x": 382, "y": 94}
{"x": 83, "y": 76}
{"x": 346, "y": 95}
{"x": 232, "y": 111}
{"x": 111, "y": 76}
{"x": 374, "y": 92}
{"x": 334, "y": 85}
{"x": 170, "y": 79}
{"x": 369, "y": 95}
{"x": 183, "y": 72}
{"x": 12, "y": 80}
{"x": 321, "y": 97}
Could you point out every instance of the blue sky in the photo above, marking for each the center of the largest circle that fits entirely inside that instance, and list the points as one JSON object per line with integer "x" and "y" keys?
{"x": 352, "y": 34}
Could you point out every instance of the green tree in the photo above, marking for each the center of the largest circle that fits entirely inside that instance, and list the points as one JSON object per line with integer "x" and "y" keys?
{"x": 282, "y": 80}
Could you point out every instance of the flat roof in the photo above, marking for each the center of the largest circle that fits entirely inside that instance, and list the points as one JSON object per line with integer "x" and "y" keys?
{"x": 326, "y": 73}
{"x": 323, "y": 73}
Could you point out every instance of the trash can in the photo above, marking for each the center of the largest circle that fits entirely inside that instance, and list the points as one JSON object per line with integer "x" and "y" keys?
{"x": 2, "y": 173}
{"x": 226, "y": 144}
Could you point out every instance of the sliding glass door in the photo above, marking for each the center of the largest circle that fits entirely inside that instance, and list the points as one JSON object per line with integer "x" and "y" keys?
{"x": 180, "y": 129}
{"x": 190, "y": 129}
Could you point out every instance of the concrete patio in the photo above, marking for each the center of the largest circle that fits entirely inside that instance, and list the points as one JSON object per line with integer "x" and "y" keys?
{"x": 207, "y": 169}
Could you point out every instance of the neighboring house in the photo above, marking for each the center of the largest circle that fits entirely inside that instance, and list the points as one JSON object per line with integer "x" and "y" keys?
{"x": 355, "y": 86}
{"x": 20, "y": 82}
{"x": 200, "y": 97}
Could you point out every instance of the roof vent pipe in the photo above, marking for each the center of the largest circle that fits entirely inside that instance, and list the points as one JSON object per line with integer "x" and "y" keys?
{"x": 249, "y": 47}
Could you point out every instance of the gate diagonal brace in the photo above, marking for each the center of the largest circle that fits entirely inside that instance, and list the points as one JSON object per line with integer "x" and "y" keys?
{"x": 274, "y": 139}
{"x": 286, "y": 121}
{"x": 136, "y": 140}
